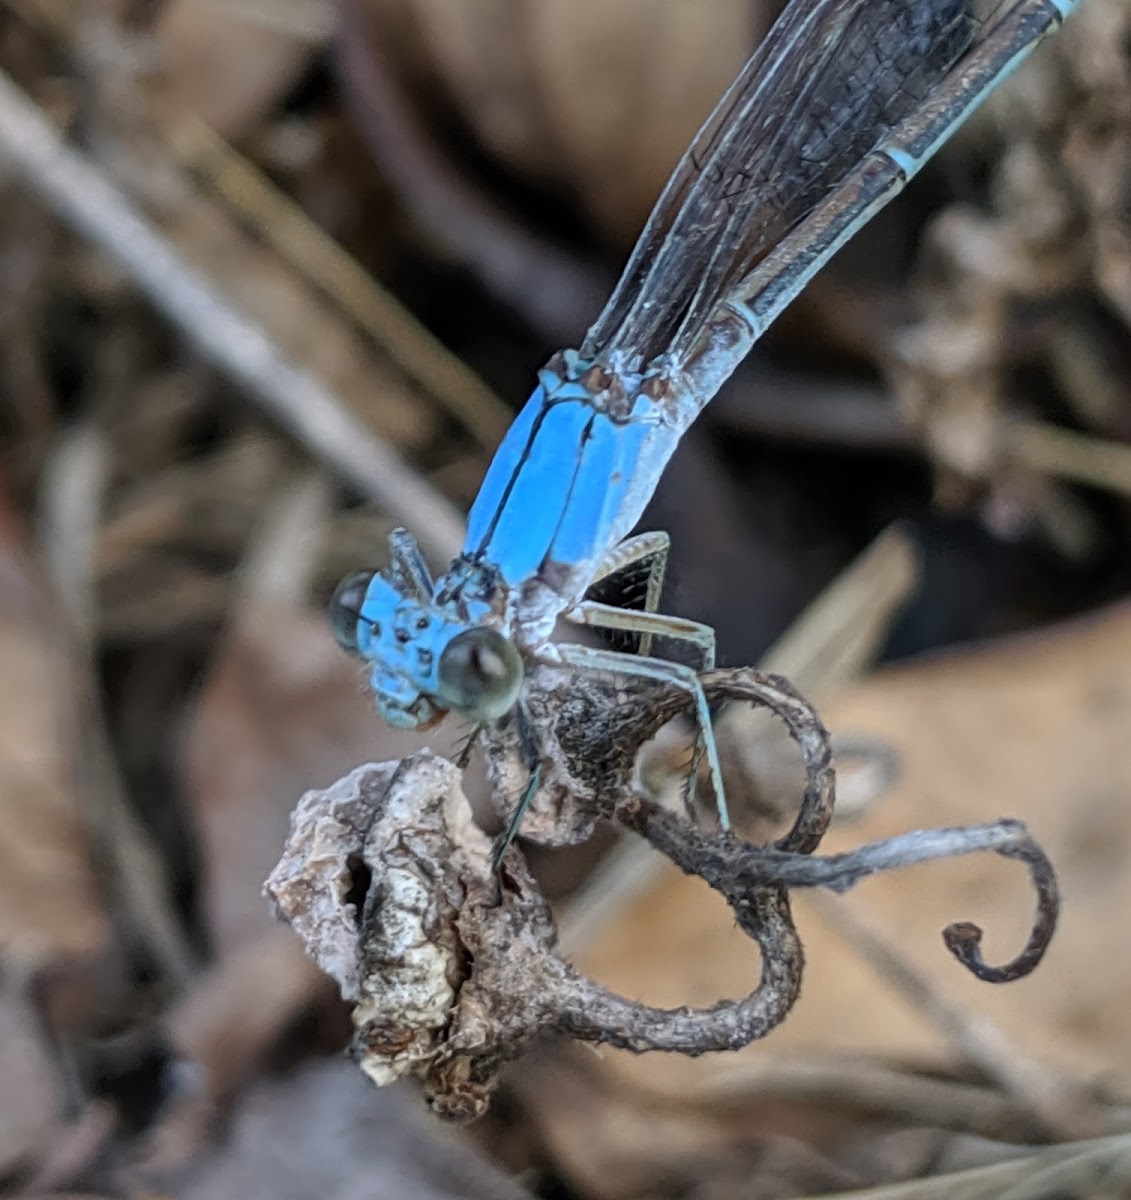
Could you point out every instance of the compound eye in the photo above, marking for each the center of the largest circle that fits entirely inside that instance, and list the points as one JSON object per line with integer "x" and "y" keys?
{"x": 480, "y": 674}
{"x": 344, "y": 609}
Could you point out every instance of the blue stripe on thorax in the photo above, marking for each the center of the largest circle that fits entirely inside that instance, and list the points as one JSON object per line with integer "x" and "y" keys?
{"x": 557, "y": 483}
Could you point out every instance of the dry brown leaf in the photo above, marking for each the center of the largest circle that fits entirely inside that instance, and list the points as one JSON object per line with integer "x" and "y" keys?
{"x": 1035, "y": 728}
{"x": 625, "y": 86}
{"x": 600, "y": 99}
{"x": 50, "y": 903}
{"x": 229, "y": 62}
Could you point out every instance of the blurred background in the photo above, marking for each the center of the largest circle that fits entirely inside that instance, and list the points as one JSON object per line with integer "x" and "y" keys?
{"x": 366, "y": 224}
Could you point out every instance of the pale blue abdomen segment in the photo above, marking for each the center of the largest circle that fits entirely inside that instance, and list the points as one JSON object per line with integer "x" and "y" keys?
{"x": 557, "y": 487}
{"x": 608, "y": 463}
{"x": 519, "y": 506}
{"x": 500, "y": 474}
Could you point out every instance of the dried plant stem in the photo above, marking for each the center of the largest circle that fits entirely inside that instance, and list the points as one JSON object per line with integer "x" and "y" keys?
{"x": 450, "y": 959}
{"x": 80, "y": 195}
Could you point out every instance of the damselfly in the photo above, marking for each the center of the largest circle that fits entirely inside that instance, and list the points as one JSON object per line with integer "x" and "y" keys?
{"x": 838, "y": 108}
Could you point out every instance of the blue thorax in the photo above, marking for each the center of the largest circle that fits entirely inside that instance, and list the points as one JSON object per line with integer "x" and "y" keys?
{"x": 567, "y": 483}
